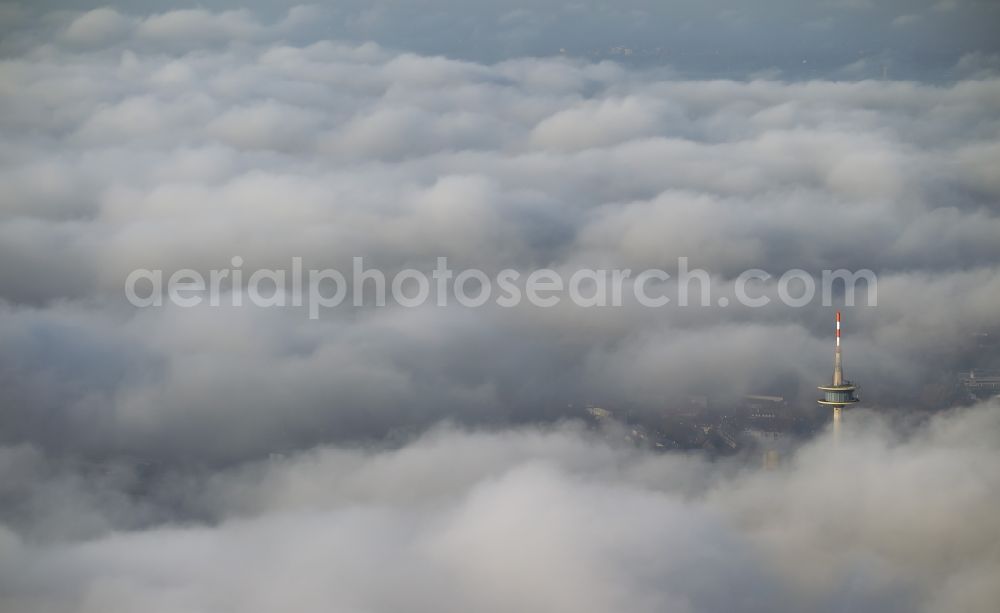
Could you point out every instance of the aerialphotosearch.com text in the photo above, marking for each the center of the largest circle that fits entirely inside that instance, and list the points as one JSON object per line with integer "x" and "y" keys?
{"x": 318, "y": 289}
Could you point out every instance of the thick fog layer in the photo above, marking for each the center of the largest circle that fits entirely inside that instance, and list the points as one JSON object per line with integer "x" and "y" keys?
{"x": 182, "y": 139}
{"x": 527, "y": 520}
{"x": 243, "y": 458}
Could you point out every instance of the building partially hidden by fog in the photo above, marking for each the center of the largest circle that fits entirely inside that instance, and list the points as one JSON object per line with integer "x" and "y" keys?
{"x": 980, "y": 385}
{"x": 842, "y": 392}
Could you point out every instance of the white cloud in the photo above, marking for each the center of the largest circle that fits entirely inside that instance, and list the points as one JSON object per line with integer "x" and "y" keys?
{"x": 198, "y": 26}
{"x": 905, "y": 21}
{"x": 598, "y": 123}
{"x": 98, "y": 27}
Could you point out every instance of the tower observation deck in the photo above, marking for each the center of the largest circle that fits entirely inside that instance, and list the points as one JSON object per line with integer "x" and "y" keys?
{"x": 842, "y": 392}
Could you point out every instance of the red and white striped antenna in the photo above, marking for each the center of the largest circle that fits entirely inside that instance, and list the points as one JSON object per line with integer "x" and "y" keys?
{"x": 838, "y": 328}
